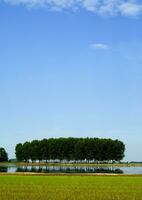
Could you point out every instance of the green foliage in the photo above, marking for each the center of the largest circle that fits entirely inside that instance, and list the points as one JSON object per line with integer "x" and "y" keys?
{"x": 3, "y": 155}
{"x": 76, "y": 149}
{"x": 19, "y": 152}
{"x": 44, "y": 149}
{"x": 35, "y": 150}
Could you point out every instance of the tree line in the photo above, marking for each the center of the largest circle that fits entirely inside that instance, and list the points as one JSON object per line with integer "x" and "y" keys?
{"x": 70, "y": 149}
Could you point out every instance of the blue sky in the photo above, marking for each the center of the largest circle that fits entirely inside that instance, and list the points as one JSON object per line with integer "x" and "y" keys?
{"x": 71, "y": 68}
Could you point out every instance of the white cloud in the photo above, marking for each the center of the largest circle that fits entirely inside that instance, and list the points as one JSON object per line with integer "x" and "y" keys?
{"x": 99, "y": 46}
{"x": 90, "y": 5}
{"x": 109, "y": 7}
{"x": 130, "y": 9}
{"x": 61, "y": 4}
{"x": 101, "y": 7}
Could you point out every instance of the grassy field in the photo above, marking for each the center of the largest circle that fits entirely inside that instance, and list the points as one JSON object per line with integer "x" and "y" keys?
{"x": 18, "y": 187}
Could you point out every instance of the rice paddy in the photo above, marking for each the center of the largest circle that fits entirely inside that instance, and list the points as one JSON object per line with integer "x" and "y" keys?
{"x": 20, "y": 187}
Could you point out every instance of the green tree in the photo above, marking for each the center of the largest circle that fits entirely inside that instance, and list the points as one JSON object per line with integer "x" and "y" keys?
{"x": 19, "y": 152}
{"x": 35, "y": 153}
{"x": 119, "y": 149}
{"x": 44, "y": 149}
{"x": 26, "y": 151}
{"x": 3, "y": 155}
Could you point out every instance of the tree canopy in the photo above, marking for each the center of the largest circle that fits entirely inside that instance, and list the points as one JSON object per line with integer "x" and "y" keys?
{"x": 97, "y": 149}
{"x": 3, "y": 155}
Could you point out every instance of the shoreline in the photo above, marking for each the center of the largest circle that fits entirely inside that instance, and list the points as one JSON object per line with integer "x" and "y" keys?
{"x": 67, "y": 174}
{"x": 72, "y": 164}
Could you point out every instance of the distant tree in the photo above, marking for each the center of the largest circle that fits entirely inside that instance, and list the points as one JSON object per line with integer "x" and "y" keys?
{"x": 71, "y": 142}
{"x": 19, "y": 152}
{"x": 80, "y": 151}
{"x": 26, "y": 151}
{"x": 35, "y": 150}
{"x": 52, "y": 148}
{"x": 44, "y": 149}
{"x": 89, "y": 148}
{"x": 118, "y": 151}
{"x": 3, "y": 155}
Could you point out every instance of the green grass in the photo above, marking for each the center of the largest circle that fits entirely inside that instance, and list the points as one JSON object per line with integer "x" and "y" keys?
{"x": 18, "y": 187}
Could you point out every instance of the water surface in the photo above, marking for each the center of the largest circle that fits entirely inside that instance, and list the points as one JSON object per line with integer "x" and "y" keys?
{"x": 72, "y": 169}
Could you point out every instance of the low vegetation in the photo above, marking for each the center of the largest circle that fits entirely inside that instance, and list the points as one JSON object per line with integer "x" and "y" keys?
{"x": 70, "y": 187}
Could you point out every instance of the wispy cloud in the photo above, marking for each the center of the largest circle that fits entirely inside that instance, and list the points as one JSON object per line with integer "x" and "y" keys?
{"x": 99, "y": 46}
{"x": 101, "y": 7}
{"x": 130, "y": 9}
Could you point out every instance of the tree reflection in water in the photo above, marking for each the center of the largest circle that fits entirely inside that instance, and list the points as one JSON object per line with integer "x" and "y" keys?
{"x": 62, "y": 169}
{"x": 3, "y": 169}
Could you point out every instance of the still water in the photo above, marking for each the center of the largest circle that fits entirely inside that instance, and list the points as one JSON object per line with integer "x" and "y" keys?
{"x": 72, "y": 169}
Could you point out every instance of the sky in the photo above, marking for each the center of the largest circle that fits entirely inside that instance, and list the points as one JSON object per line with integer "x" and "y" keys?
{"x": 71, "y": 69}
